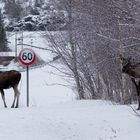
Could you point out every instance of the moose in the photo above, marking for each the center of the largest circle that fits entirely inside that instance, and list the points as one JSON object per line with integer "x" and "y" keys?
{"x": 10, "y": 79}
{"x": 134, "y": 72}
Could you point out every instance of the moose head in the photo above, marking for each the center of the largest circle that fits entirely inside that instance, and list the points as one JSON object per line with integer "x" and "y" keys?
{"x": 126, "y": 64}
{"x": 132, "y": 70}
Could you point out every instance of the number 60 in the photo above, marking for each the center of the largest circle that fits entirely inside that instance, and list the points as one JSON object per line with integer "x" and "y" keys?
{"x": 27, "y": 56}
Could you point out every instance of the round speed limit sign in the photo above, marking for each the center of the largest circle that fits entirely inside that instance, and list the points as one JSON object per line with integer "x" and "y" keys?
{"x": 27, "y": 56}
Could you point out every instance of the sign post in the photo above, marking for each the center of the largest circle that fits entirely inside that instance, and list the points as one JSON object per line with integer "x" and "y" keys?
{"x": 27, "y": 57}
{"x": 27, "y": 85}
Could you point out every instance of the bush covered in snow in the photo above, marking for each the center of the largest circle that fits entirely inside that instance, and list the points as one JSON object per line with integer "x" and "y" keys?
{"x": 37, "y": 22}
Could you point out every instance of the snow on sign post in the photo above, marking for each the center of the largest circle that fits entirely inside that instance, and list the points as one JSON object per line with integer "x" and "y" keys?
{"x": 27, "y": 57}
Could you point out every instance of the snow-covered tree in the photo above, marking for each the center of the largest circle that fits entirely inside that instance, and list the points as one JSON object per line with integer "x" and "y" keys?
{"x": 13, "y": 9}
{"x": 3, "y": 40}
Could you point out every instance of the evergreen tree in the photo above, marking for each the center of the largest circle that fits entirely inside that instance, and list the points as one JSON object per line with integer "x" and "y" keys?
{"x": 3, "y": 40}
{"x": 38, "y": 3}
{"x": 13, "y": 9}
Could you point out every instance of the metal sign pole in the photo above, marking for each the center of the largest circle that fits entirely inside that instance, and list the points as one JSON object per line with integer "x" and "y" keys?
{"x": 27, "y": 85}
{"x": 27, "y": 57}
{"x": 16, "y": 44}
{"x": 22, "y": 39}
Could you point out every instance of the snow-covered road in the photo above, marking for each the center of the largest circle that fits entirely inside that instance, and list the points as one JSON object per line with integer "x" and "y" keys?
{"x": 71, "y": 120}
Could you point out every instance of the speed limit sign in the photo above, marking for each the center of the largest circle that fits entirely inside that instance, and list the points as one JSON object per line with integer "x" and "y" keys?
{"x": 27, "y": 56}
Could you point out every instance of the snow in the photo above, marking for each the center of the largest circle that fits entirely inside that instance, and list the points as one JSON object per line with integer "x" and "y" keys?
{"x": 55, "y": 114}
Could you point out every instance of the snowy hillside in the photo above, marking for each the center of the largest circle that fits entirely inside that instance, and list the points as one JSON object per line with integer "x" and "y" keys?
{"x": 32, "y": 15}
{"x": 54, "y": 114}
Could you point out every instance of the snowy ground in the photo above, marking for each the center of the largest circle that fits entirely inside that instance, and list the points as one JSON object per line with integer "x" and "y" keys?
{"x": 54, "y": 114}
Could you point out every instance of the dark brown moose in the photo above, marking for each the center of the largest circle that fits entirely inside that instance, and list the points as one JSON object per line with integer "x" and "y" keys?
{"x": 134, "y": 72}
{"x": 10, "y": 79}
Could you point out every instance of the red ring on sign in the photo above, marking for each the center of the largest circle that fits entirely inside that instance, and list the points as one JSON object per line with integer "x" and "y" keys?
{"x": 24, "y": 62}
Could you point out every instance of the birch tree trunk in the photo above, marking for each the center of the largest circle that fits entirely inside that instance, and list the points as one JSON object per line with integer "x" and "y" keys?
{"x": 73, "y": 53}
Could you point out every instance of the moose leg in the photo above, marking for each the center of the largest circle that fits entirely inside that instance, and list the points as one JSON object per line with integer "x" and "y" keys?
{"x": 138, "y": 95}
{"x": 3, "y": 97}
{"x": 138, "y": 103}
{"x": 137, "y": 85}
{"x": 17, "y": 103}
{"x": 13, "y": 104}
{"x": 17, "y": 94}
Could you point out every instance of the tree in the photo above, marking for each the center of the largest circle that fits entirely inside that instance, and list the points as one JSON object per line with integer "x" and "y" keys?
{"x": 67, "y": 49}
{"x": 3, "y": 40}
{"x": 13, "y": 9}
{"x": 96, "y": 34}
{"x": 38, "y": 3}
